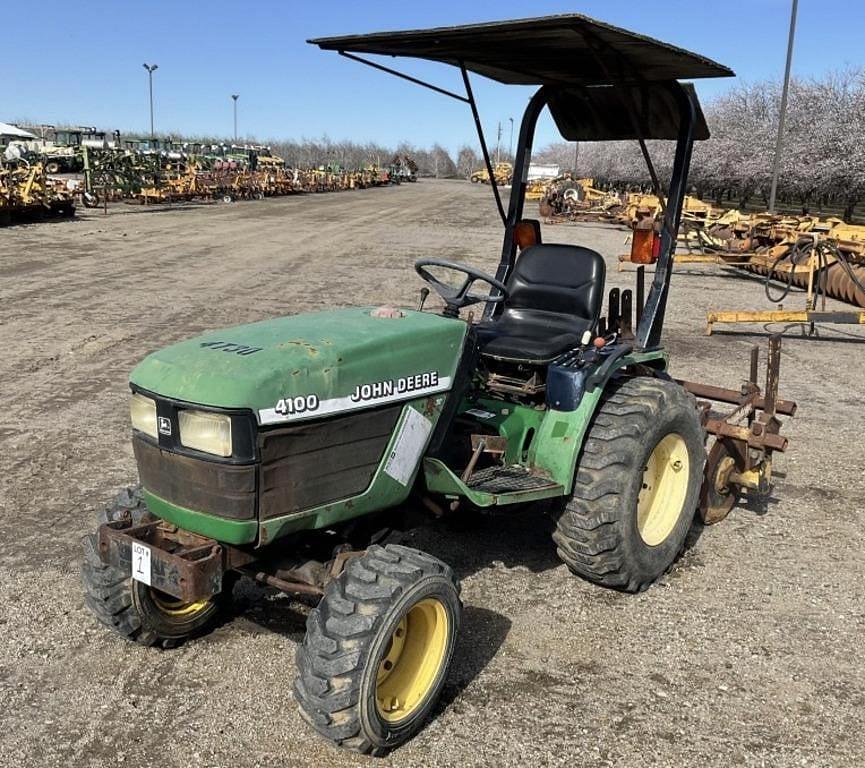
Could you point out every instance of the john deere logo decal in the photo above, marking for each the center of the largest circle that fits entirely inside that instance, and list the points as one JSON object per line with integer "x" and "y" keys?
{"x": 380, "y": 389}
{"x": 372, "y": 393}
{"x": 164, "y": 425}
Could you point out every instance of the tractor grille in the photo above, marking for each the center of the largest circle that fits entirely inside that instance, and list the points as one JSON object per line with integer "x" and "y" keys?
{"x": 212, "y": 487}
{"x": 313, "y": 463}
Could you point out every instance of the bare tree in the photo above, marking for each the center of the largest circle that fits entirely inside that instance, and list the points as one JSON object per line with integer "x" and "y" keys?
{"x": 467, "y": 161}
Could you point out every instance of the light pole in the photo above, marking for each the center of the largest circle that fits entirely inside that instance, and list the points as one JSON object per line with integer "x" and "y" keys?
{"x": 511, "y": 145}
{"x": 151, "y": 68}
{"x": 779, "y": 142}
{"x": 235, "y": 97}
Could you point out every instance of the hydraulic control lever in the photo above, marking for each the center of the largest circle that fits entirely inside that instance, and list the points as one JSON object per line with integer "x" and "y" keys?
{"x": 424, "y": 292}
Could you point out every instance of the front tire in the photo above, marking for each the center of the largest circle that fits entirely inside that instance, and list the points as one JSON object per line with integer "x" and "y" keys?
{"x": 131, "y": 608}
{"x": 377, "y": 649}
{"x": 637, "y": 485}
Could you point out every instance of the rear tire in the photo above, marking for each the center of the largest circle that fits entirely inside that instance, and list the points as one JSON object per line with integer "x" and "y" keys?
{"x": 377, "y": 649}
{"x": 637, "y": 485}
{"x": 131, "y": 608}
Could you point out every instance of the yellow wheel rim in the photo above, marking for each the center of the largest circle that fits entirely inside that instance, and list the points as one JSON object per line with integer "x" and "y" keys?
{"x": 664, "y": 488}
{"x": 175, "y": 608}
{"x": 412, "y": 660}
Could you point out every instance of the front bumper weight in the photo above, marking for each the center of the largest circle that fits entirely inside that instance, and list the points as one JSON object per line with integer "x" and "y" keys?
{"x": 182, "y": 564}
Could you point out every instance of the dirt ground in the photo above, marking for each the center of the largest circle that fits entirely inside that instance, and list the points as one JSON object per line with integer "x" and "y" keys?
{"x": 749, "y": 653}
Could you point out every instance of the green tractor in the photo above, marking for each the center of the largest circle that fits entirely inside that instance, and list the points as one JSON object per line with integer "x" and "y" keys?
{"x": 288, "y": 450}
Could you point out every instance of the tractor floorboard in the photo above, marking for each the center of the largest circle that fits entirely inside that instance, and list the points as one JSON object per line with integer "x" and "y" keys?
{"x": 507, "y": 479}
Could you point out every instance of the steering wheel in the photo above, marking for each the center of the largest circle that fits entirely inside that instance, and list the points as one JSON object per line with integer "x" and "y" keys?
{"x": 457, "y": 298}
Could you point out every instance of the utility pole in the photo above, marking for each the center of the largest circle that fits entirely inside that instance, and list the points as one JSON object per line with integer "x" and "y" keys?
{"x": 151, "y": 68}
{"x": 511, "y": 146}
{"x": 235, "y": 97}
{"x": 576, "y": 157}
{"x": 779, "y": 142}
{"x": 498, "y": 143}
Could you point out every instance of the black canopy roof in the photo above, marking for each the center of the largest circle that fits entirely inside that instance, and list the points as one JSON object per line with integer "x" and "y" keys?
{"x": 569, "y": 49}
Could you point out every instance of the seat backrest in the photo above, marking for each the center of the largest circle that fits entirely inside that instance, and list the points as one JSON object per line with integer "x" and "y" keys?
{"x": 565, "y": 279}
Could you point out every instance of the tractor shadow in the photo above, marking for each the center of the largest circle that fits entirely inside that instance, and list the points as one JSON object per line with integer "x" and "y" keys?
{"x": 481, "y": 635}
{"x": 257, "y": 610}
{"x": 470, "y": 541}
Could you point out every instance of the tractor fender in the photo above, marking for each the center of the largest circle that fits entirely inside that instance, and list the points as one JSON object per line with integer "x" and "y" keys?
{"x": 573, "y": 395}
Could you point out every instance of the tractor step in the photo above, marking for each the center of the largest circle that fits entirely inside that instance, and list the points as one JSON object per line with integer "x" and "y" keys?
{"x": 507, "y": 479}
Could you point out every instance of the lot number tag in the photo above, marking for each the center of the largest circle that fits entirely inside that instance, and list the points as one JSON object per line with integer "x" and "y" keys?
{"x": 141, "y": 562}
{"x": 408, "y": 446}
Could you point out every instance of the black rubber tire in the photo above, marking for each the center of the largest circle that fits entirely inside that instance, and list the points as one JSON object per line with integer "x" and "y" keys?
{"x": 127, "y": 606}
{"x": 127, "y": 505}
{"x": 596, "y": 533}
{"x": 347, "y": 636}
{"x": 52, "y": 167}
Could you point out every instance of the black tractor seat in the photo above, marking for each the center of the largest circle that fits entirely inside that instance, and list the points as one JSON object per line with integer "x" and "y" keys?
{"x": 555, "y": 296}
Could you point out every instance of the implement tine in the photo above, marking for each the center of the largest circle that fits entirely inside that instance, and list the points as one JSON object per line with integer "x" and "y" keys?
{"x": 773, "y": 372}
{"x": 755, "y": 362}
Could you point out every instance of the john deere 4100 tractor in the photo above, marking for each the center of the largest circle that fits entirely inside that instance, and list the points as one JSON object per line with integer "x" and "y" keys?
{"x": 282, "y": 449}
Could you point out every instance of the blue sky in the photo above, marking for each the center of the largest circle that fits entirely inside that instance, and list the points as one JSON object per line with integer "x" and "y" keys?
{"x": 81, "y": 62}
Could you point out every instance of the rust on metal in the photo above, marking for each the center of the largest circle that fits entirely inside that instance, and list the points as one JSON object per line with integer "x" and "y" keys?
{"x": 340, "y": 560}
{"x": 189, "y": 569}
{"x": 735, "y": 397}
{"x": 182, "y": 564}
{"x": 476, "y": 454}
{"x": 492, "y": 443}
{"x": 755, "y": 436}
{"x": 289, "y": 587}
{"x": 745, "y": 438}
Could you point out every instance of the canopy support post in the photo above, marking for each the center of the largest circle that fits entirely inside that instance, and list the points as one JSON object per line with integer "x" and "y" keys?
{"x": 397, "y": 73}
{"x": 653, "y": 174}
{"x": 522, "y": 160}
{"x": 652, "y": 320}
{"x": 479, "y": 128}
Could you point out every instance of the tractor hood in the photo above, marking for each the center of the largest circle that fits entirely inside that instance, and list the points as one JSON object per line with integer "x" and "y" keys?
{"x": 307, "y": 366}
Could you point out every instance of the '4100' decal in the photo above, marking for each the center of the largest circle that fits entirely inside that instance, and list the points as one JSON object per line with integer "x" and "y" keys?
{"x": 292, "y": 406}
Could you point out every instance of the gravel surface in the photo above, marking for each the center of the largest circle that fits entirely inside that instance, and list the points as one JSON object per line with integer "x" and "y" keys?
{"x": 748, "y": 653}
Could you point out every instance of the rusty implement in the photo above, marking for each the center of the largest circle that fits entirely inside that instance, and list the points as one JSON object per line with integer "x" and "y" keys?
{"x": 745, "y": 438}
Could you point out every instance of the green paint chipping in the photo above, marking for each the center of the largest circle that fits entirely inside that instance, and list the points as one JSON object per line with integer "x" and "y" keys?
{"x": 560, "y": 429}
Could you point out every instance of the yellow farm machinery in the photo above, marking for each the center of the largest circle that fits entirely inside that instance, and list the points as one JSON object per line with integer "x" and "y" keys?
{"x": 566, "y": 198}
{"x": 27, "y": 192}
{"x": 825, "y": 258}
{"x": 502, "y": 173}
